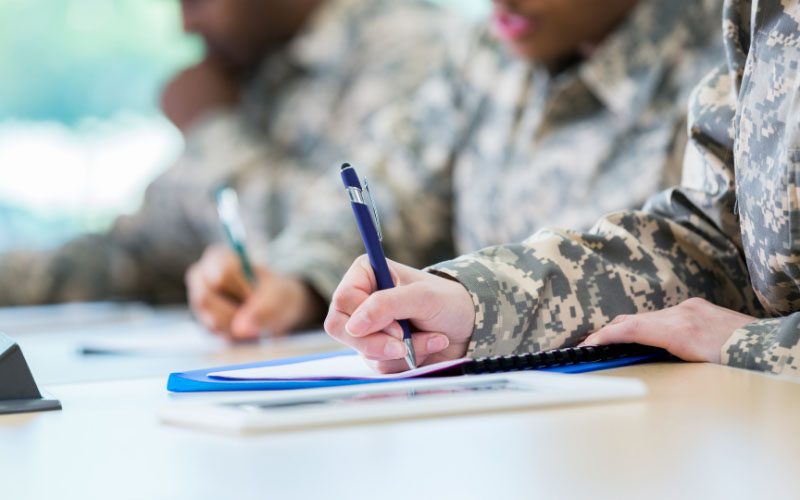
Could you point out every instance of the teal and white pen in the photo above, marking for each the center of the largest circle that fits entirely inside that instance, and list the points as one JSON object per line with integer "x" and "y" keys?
{"x": 228, "y": 210}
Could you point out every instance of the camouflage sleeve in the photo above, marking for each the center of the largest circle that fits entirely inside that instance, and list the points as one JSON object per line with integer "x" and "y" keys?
{"x": 556, "y": 287}
{"x": 144, "y": 255}
{"x": 407, "y": 156}
{"x": 771, "y": 345}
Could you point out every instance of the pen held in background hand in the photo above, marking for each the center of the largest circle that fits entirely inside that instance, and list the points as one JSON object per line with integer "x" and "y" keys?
{"x": 228, "y": 210}
{"x": 229, "y": 216}
{"x": 370, "y": 229}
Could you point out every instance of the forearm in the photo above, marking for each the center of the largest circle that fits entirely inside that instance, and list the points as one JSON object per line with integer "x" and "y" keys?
{"x": 88, "y": 268}
{"x": 558, "y": 286}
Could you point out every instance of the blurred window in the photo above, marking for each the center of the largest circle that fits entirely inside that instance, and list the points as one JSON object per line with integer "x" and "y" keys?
{"x": 80, "y": 130}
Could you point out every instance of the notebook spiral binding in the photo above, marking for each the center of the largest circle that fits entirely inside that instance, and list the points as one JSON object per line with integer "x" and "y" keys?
{"x": 556, "y": 357}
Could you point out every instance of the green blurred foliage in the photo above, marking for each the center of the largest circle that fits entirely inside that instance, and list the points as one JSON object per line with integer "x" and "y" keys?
{"x": 66, "y": 59}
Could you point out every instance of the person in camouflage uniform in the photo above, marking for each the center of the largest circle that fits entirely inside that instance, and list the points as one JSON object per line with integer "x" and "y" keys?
{"x": 708, "y": 270}
{"x": 303, "y": 106}
{"x": 585, "y": 114}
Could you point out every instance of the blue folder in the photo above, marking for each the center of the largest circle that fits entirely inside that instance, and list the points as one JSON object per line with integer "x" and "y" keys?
{"x": 200, "y": 381}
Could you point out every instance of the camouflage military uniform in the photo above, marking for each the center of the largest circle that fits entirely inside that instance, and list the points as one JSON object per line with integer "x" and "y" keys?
{"x": 492, "y": 148}
{"x": 729, "y": 234}
{"x": 308, "y": 101}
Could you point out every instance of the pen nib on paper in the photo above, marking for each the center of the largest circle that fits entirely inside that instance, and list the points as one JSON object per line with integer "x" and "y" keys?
{"x": 411, "y": 358}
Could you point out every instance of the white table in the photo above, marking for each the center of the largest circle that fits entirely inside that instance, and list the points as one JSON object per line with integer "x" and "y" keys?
{"x": 704, "y": 431}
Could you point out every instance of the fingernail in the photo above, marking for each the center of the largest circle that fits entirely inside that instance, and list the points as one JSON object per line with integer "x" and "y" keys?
{"x": 438, "y": 343}
{"x": 358, "y": 324}
{"x": 394, "y": 349}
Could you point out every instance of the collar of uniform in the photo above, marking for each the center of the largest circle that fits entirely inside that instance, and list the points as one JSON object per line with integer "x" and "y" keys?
{"x": 626, "y": 69}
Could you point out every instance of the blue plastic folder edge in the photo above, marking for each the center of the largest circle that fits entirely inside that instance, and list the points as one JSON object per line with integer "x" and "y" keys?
{"x": 200, "y": 381}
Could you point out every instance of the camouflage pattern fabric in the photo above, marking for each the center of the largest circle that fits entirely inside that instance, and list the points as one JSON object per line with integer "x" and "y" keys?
{"x": 729, "y": 234}
{"x": 492, "y": 148}
{"x": 305, "y": 106}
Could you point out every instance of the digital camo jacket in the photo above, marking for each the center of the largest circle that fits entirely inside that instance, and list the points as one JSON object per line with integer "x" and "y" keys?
{"x": 304, "y": 108}
{"x": 492, "y": 148}
{"x": 729, "y": 234}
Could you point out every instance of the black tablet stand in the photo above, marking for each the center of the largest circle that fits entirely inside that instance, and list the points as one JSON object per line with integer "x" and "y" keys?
{"x": 18, "y": 391}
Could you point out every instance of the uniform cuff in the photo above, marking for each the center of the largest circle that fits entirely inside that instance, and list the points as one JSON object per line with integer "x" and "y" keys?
{"x": 482, "y": 285}
{"x": 762, "y": 345}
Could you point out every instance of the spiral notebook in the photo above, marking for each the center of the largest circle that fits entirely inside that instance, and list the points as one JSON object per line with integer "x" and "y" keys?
{"x": 348, "y": 367}
{"x": 299, "y": 372}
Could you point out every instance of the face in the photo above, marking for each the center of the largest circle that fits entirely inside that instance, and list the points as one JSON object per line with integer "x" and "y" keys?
{"x": 550, "y": 31}
{"x": 240, "y": 31}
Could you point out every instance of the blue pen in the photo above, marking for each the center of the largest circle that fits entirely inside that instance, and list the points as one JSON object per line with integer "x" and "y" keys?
{"x": 370, "y": 227}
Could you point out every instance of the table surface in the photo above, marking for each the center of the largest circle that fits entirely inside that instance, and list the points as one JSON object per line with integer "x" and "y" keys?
{"x": 703, "y": 431}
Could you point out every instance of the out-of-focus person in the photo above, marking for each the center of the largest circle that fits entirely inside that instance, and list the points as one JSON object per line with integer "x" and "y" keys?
{"x": 572, "y": 110}
{"x": 283, "y": 89}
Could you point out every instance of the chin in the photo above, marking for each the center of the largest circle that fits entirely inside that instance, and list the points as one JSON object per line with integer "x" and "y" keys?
{"x": 526, "y": 52}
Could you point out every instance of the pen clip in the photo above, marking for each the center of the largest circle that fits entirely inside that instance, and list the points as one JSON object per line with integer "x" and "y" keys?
{"x": 374, "y": 209}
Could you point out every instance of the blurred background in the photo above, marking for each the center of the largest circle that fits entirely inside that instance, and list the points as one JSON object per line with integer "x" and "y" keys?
{"x": 81, "y": 133}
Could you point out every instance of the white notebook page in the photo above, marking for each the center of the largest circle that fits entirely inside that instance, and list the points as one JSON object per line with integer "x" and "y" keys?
{"x": 339, "y": 367}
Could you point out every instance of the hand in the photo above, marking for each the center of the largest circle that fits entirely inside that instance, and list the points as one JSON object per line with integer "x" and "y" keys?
{"x": 224, "y": 302}
{"x": 365, "y": 318}
{"x": 197, "y": 90}
{"x": 694, "y": 330}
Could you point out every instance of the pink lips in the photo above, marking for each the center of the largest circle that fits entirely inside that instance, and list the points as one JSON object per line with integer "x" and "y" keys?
{"x": 511, "y": 26}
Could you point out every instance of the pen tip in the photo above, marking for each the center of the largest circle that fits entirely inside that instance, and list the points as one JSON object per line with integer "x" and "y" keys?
{"x": 411, "y": 357}
{"x": 345, "y": 165}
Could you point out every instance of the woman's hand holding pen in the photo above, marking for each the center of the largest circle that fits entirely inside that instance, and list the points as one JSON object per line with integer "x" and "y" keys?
{"x": 223, "y": 301}
{"x": 365, "y": 318}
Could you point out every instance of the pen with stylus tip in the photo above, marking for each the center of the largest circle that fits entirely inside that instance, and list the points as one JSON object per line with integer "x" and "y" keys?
{"x": 370, "y": 227}
{"x": 228, "y": 210}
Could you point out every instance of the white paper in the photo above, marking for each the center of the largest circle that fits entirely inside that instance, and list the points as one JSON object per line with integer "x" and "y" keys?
{"x": 168, "y": 339}
{"x": 339, "y": 367}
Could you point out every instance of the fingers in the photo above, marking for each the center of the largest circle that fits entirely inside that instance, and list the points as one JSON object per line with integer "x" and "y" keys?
{"x": 622, "y": 329}
{"x": 428, "y": 350}
{"x": 216, "y": 286}
{"x": 356, "y": 286}
{"x": 278, "y": 305}
{"x": 217, "y": 272}
{"x": 381, "y": 308}
{"x": 359, "y": 282}
{"x": 215, "y": 312}
{"x": 383, "y": 346}
{"x": 262, "y": 312}
{"x": 222, "y": 270}
{"x": 218, "y": 315}
{"x": 366, "y": 319}
{"x": 694, "y": 330}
